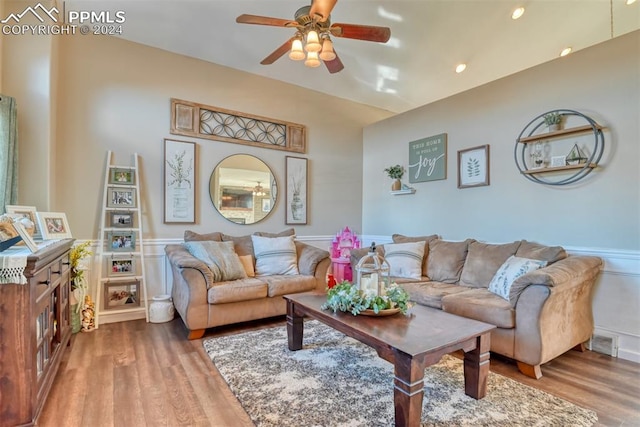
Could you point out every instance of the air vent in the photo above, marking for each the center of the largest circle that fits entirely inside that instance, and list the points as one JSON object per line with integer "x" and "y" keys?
{"x": 604, "y": 343}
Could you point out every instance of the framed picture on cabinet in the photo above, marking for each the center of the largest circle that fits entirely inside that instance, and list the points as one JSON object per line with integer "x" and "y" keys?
{"x": 54, "y": 225}
{"x": 296, "y": 190}
{"x": 119, "y": 295}
{"x": 179, "y": 182}
{"x": 121, "y": 197}
{"x": 122, "y": 176}
{"x": 26, "y": 237}
{"x": 28, "y": 212}
{"x": 473, "y": 167}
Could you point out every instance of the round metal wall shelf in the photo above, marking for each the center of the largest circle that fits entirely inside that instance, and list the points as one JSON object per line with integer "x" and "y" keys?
{"x": 535, "y": 133}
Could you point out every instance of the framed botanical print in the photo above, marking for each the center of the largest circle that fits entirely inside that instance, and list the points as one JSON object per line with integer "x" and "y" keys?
{"x": 473, "y": 167}
{"x": 296, "y": 190}
{"x": 179, "y": 182}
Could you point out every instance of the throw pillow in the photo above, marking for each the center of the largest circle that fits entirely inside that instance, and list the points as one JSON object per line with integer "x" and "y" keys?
{"x": 247, "y": 263}
{"x": 275, "y": 255}
{"x": 241, "y": 244}
{"x": 533, "y": 250}
{"x": 483, "y": 260}
{"x": 405, "y": 259}
{"x": 512, "y": 268}
{"x": 399, "y": 238}
{"x": 220, "y": 257}
{"x": 283, "y": 233}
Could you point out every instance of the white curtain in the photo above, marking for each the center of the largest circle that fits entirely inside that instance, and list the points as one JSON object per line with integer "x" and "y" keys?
{"x": 8, "y": 152}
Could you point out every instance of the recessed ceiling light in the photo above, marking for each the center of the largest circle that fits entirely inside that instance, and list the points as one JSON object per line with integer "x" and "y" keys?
{"x": 566, "y": 51}
{"x": 517, "y": 13}
{"x": 630, "y": 2}
{"x": 460, "y": 68}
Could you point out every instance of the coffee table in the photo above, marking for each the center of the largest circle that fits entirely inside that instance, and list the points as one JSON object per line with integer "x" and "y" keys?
{"x": 411, "y": 343}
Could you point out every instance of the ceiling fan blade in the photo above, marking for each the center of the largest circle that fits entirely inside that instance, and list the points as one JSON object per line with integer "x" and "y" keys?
{"x": 262, "y": 20}
{"x": 362, "y": 32}
{"x": 335, "y": 65}
{"x": 276, "y": 54}
{"x": 322, "y": 8}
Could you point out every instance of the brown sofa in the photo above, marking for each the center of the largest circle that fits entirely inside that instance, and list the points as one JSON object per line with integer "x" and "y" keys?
{"x": 548, "y": 311}
{"x": 203, "y": 302}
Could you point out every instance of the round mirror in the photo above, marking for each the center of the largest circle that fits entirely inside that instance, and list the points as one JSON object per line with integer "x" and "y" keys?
{"x": 243, "y": 189}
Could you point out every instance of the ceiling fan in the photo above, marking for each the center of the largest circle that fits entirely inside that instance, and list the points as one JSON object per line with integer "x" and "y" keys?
{"x": 313, "y": 35}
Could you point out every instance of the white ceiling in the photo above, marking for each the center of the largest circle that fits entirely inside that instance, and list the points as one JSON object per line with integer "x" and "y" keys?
{"x": 416, "y": 67}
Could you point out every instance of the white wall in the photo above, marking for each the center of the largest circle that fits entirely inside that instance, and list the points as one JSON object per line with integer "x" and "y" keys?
{"x": 598, "y": 215}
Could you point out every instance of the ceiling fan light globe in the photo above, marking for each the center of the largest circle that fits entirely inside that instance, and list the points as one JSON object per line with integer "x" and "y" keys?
{"x": 327, "y": 53}
{"x": 296, "y": 54}
{"x": 312, "y": 60}
{"x": 313, "y": 42}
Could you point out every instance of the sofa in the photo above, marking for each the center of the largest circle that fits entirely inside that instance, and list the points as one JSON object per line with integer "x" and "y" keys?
{"x": 220, "y": 279}
{"x": 538, "y": 297}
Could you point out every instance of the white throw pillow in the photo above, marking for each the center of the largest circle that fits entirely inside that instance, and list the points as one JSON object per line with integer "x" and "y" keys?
{"x": 405, "y": 259}
{"x": 508, "y": 272}
{"x": 220, "y": 257}
{"x": 275, "y": 255}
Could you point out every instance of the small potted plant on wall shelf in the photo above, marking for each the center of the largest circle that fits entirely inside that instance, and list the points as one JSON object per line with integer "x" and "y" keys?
{"x": 395, "y": 173}
{"x": 553, "y": 120}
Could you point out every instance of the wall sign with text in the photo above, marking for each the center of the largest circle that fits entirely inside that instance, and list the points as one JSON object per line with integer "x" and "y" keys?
{"x": 428, "y": 159}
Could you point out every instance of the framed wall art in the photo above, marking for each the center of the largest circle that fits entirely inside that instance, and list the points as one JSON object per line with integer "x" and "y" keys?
{"x": 122, "y": 176}
{"x": 118, "y": 295}
{"x": 121, "y": 267}
{"x": 122, "y": 219}
{"x": 428, "y": 159}
{"x": 179, "y": 182}
{"x": 473, "y": 167}
{"x": 27, "y": 212}
{"x": 296, "y": 175}
{"x": 54, "y": 225}
{"x": 121, "y": 197}
{"x": 121, "y": 241}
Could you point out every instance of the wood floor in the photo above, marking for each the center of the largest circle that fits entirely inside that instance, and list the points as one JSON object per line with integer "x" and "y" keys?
{"x": 144, "y": 374}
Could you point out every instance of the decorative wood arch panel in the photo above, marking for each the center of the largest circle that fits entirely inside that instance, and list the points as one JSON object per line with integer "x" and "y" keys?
{"x": 219, "y": 124}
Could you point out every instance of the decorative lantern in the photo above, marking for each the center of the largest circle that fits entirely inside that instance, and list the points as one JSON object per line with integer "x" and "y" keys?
{"x": 373, "y": 272}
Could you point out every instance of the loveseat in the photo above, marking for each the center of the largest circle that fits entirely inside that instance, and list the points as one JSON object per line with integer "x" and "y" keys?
{"x": 538, "y": 297}
{"x": 210, "y": 287}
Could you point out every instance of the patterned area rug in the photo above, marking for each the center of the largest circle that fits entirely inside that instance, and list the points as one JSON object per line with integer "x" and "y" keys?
{"x": 337, "y": 381}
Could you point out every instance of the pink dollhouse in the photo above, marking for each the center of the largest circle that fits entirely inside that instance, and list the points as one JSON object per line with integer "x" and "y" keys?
{"x": 340, "y": 251}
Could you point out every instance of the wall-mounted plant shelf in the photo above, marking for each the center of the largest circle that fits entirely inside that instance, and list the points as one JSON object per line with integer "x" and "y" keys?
{"x": 402, "y": 192}
{"x": 534, "y": 145}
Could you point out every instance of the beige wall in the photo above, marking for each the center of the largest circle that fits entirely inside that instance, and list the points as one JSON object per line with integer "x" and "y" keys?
{"x": 114, "y": 95}
{"x": 602, "y": 210}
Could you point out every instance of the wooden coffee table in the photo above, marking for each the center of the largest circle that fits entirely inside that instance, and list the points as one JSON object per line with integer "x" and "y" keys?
{"x": 411, "y": 343}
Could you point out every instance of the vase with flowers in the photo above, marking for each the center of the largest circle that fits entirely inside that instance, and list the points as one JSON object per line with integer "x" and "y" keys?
{"x": 78, "y": 281}
{"x": 395, "y": 172}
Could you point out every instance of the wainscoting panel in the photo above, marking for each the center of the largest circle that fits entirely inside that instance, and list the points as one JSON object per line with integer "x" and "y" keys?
{"x": 616, "y": 301}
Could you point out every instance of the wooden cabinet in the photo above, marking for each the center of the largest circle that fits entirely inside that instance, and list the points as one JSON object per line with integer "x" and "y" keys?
{"x": 34, "y": 332}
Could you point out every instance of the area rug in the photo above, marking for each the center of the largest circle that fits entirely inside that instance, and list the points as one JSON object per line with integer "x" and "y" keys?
{"x": 337, "y": 381}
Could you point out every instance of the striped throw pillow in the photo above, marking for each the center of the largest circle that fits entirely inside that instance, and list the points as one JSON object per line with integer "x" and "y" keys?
{"x": 275, "y": 255}
{"x": 405, "y": 259}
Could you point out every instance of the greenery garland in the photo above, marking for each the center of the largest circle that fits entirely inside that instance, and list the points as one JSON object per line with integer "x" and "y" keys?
{"x": 347, "y": 298}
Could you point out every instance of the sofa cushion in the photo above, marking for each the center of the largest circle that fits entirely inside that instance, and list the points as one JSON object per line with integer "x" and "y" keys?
{"x": 275, "y": 255}
{"x": 399, "y": 238}
{"x": 513, "y": 268}
{"x": 247, "y": 263}
{"x": 219, "y": 257}
{"x": 405, "y": 259}
{"x": 192, "y": 236}
{"x": 358, "y": 254}
{"x": 483, "y": 260}
{"x": 242, "y": 244}
{"x": 237, "y": 290}
{"x": 446, "y": 260}
{"x": 288, "y": 284}
{"x": 430, "y": 293}
{"x": 283, "y": 233}
{"x": 480, "y": 304}
{"x": 309, "y": 257}
{"x": 532, "y": 250}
